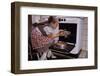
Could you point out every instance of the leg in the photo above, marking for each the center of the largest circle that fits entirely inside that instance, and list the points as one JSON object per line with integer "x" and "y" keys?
{"x": 50, "y": 54}
{"x": 44, "y": 56}
{"x": 43, "y": 53}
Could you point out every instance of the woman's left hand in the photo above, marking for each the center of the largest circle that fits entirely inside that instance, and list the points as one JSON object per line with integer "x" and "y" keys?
{"x": 61, "y": 33}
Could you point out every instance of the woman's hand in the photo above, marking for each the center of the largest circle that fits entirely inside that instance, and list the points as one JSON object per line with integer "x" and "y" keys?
{"x": 53, "y": 35}
{"x": 61, "y": 33}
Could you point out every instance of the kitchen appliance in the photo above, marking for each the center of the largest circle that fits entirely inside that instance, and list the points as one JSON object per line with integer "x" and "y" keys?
{"x": 74, "y": 25}
{"x": 60, "y": 45}
{"x": 71, "y": 45}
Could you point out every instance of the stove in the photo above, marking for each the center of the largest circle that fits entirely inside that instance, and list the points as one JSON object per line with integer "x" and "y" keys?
{"x": 72, "y": 24}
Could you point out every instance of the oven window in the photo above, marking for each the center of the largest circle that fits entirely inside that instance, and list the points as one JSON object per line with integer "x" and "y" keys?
{"x": 72, "y": 27}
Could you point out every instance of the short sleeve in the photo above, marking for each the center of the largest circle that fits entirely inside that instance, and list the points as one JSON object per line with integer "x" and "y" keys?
{"x": 47, "y": 30}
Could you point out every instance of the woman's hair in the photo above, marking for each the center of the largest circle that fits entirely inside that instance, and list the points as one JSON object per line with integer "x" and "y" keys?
{"x": 51, "y": 19}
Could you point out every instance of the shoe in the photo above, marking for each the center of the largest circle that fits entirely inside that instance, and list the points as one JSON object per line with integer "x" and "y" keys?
{"x": 53, "y": 56}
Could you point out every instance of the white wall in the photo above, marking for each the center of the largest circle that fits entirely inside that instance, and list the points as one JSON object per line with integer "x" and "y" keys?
{"x": 35, "y": 19}
{"x": 39, "y": 18}
{"x": 5, "y": 35}
{"x": 85, "y": 34}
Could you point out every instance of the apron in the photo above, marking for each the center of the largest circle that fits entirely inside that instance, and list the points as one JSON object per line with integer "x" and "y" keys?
{"x": 39, "y": 40}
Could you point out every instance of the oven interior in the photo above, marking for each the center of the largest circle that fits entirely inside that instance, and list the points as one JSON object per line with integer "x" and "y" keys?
{"x": 72, "y": 27}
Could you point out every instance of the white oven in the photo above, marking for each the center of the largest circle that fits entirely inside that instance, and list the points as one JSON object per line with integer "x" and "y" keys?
{"x": 73, "y": 24}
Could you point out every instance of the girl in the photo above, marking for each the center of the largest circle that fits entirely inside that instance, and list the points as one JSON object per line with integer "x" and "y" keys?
{"x": 52, "y": 31}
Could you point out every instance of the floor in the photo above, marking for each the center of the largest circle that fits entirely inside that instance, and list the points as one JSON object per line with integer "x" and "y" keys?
{"x": 83, "y": 54}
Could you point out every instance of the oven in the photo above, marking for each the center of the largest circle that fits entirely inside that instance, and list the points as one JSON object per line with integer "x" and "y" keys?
{"x": 74, "y": 40}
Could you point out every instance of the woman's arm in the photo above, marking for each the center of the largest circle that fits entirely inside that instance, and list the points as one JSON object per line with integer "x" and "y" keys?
{"x": 53, "y": 35}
